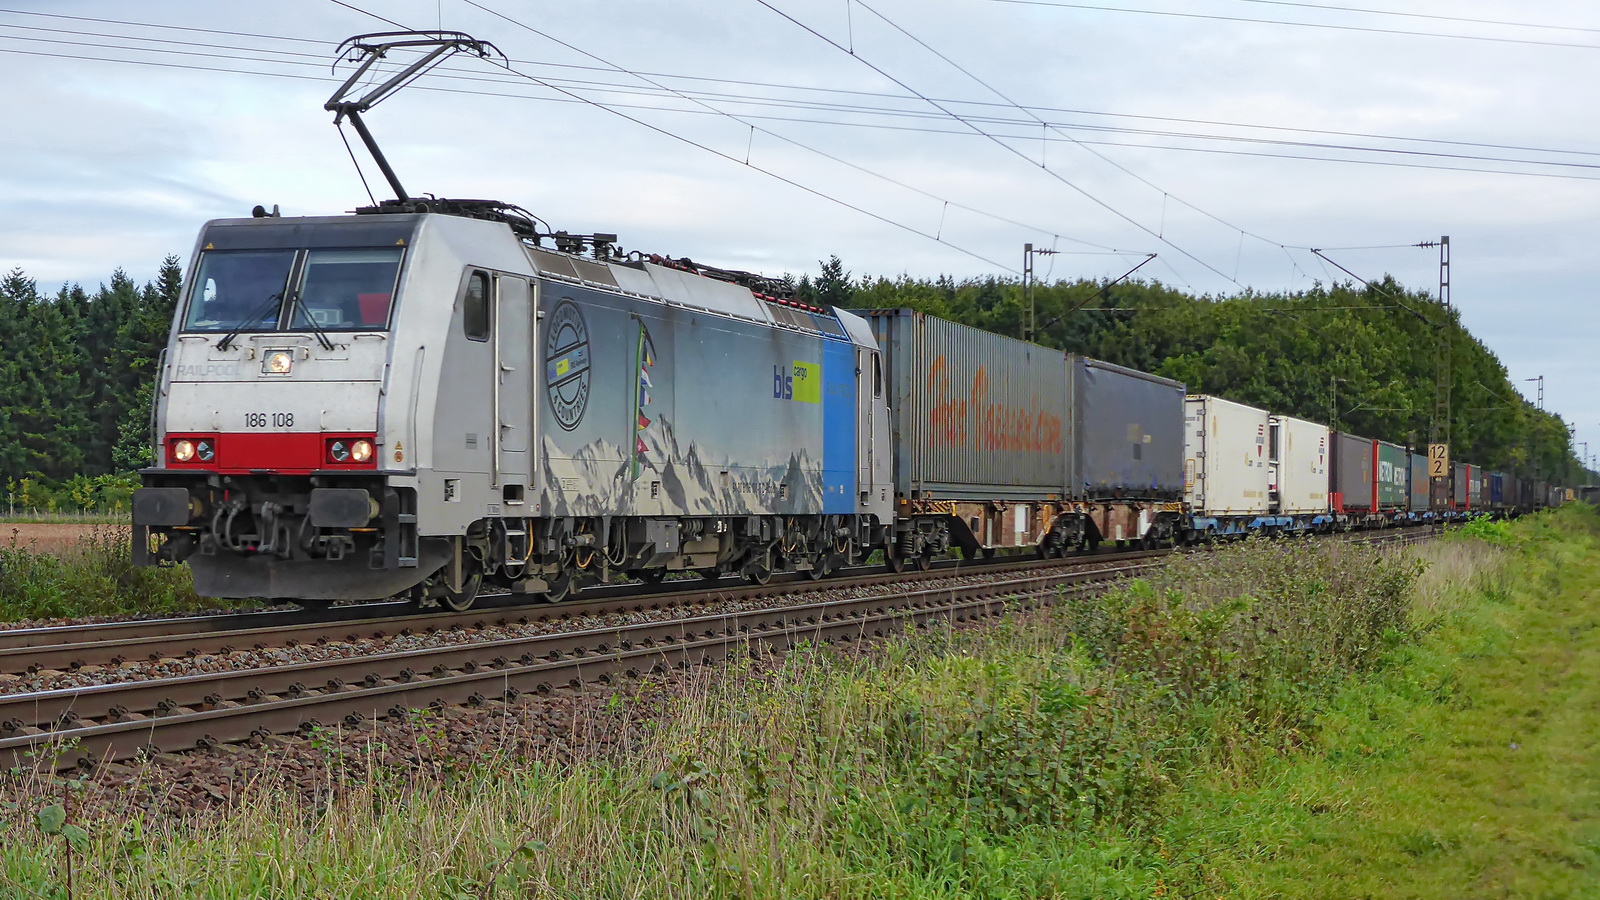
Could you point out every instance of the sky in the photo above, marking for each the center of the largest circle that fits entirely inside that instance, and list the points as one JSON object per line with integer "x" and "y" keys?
{"x": 918, "y": 137}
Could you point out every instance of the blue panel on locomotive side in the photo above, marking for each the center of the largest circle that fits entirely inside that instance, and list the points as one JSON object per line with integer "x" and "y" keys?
{"x": 838, "y": 427}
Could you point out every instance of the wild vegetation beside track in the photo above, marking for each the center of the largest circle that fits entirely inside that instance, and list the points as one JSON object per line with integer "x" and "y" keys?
{"x": 1280, "y": 720}
{"x": 92, "y": 576}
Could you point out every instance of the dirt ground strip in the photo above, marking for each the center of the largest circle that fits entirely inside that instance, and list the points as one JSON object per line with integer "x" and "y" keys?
{"x": 55, "y": 538}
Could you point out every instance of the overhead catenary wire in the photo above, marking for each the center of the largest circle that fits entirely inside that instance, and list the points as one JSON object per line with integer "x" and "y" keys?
{"x": 826, "y": 123}
{"x": 1299, "y": 4}
{"x": 1056, "y": 175}
{"x": 701, "y": 97}
{"x": 734, "y": 159}
{"x": 514, "y": 95}
{"x": 1531, "y": 42}
{"x": 767, "y": 131}
{"x": 809, "y": 89}
{"x": 1166, "y": 195}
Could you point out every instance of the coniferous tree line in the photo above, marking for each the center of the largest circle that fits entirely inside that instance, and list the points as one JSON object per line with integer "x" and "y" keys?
{"x": 77, "y": 373}
{"x": 77, "y": 369}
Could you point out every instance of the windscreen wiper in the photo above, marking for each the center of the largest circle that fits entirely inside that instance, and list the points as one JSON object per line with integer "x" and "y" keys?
{"x": 322, "y": 336}
{"x": 254, "y": 316}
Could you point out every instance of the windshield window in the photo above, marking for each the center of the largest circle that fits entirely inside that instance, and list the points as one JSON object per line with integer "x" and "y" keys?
{"x": 338, "y": 290}
{"x": 238, "y": 289}
{"x": 347, "y": 290}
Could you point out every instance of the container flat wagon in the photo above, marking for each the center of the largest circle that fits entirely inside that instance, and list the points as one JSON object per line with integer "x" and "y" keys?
{"x": 1127, "y": 444}
{"x": 1351, "y": 480}
{"x": 1459, "y": 496}
{"x": 979, "y": 434}
{"x": 1476, "y": 495}
{"x": 1226, "y": 466}
{"x": 1299, "y": 453}
{"x": 1391, "y": 470}
{"x": 1419, "y": 489}
{"x": 1497, "y": 491}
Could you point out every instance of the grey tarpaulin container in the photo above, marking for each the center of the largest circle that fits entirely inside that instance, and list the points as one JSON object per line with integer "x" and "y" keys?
{"x": 1458, "y": 485}
{"x": 1128, "y": 431}
{"x": 973, "y": 415}
{"x": 1418, "y": 483}
{"x": 1351, "y": 478}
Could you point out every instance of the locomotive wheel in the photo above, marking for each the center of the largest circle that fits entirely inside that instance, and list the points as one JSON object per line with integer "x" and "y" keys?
{"x": 820, "y": 567}
{"x": 560, "y": 588}
{"x": 924, "y": 561}
{"x": 894, "y": 562}
{"x": 462, "y": 600}
{"x": 758, "y": 575}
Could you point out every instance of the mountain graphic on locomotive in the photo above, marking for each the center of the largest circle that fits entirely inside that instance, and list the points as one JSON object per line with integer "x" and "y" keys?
{"x": 424, "y": 399}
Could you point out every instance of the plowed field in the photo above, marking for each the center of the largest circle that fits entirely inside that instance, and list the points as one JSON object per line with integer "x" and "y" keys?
{"x": 53, "y": 538}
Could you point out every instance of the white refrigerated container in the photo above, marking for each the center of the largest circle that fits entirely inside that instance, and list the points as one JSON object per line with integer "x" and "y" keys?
{"x": 1300, "y": 458}
{"x": 1225, "y": 457}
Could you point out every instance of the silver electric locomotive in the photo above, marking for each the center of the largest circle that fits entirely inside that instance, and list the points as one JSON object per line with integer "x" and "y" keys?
{"x": 416, "y": 403}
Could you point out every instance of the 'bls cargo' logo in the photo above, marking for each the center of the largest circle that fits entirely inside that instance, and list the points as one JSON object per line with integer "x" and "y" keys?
{"x": 800, "y": 382}
{"x": 566, "y": 364}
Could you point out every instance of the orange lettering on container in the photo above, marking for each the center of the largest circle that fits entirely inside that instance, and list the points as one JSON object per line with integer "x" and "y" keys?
{"x": 973, "y": 422}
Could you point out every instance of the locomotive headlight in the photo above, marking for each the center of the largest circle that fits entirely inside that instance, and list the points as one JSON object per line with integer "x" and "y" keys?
{"x": 183, "y": 451}
{"x": 339, "y": 451}
{"x": 277, "y": 362}
{"x": 204, "y": 452}
{"x": 361, "y": 451}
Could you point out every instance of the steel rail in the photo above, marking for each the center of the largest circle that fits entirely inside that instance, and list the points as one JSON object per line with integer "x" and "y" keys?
{"x": 64, "y": 707}
{"x": 155, "y": 643}
{"x": 68, "y": 647}
{"x": 68, "y": 640}
{"x": 277, "y": 700}
{"x": 98, "y": 632}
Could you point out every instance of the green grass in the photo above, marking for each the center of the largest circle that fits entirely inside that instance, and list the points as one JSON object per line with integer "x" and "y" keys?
{"x": 1268, "y": 721}
{"x": 95, "y": 578}
{"x": 1466, "y": 769}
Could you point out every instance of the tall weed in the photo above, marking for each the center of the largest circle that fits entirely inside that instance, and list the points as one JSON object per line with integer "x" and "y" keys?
{"x": 95, "y": 578}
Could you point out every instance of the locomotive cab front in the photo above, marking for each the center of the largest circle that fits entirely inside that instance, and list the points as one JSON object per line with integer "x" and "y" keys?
{"x": 271, "y": 454}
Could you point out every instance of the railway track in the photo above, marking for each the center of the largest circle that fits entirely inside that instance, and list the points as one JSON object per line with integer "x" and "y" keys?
{"x": 70, "y": 647}
{"x": 122, "y": 720}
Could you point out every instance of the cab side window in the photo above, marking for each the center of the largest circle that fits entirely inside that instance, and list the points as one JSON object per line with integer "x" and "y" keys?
{"x": 475, "y": 307}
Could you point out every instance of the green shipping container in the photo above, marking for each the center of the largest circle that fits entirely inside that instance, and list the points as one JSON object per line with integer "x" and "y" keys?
{"x": 1393, "y": 476}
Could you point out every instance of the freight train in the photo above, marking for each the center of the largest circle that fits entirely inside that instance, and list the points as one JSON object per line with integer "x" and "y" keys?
{"x": 430, "y": 398}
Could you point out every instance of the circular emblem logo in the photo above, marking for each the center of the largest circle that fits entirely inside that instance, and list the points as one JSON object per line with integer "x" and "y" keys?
{"x": 566, "y": 364}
